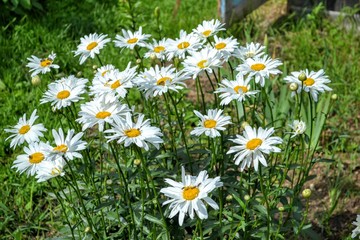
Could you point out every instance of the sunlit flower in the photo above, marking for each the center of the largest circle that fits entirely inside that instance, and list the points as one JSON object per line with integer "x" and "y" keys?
{"x": 50, "y": 169}
{"x": 253, "y": 145}
{"x": 190, "y": 195}
{"x": 62, "y": 93}
{"x": 157, "y": 81}
{"x": 157, "y": 48}
{"x": 198, "y": 62}
{"x": 90, "y": 45}
{"x": 101, "y": 71}
{"x": 298, "y": 127}
{"x": 209, "y": 28}
{"x": 225, "y": 46}
{"x": 68, "y": 146}
{"x": 139, "y": 133}
{"x": 237, "y": 90}
{"x": 113, "y": 84}
{"x": 260, "y": 68}
{"x": 211, "y": 123}
{"x": 315, "y": 82}
{"x": 130, "y": 40}
{"x": 42, "y": 66}
{"x": 25, "y": 130}
{"x": 186, "y": 44}
{"x": 356, "y": 231}
{"x": 251, "y": 50}
{"x": 30, "y": 162}
{"x": 99, "y": 112}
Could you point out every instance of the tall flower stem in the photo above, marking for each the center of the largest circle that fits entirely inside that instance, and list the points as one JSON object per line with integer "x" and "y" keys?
{"x": 264, "y": 192}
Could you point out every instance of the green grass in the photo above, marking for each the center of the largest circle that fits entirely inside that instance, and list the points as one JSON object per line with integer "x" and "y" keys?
{"x": 314, "y": 42}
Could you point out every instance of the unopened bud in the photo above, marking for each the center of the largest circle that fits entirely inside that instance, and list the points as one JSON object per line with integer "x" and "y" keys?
{"x": 302, "y": 76}
{"x": 306, "y": 193}
{"x": 229, "y": 197}
{"x": 153, "y": 56}
{"x": 244, "y": 124}
{"x": 35, "y": 81}
{"x": 79, "y": 74}
{"x": 137, "y": 162}
{"x": 334, "y": 96}
{"x": 138, "y": 61}
{"x": 246, "y": 197}
{"x": 293, "y": 86}
{"x": 157, "y": 12}
{"x": 281, "y": 209}
{"x": 87, "y": 229}
{"x": 109, "y": 182}
{"x": 95, "y": 67}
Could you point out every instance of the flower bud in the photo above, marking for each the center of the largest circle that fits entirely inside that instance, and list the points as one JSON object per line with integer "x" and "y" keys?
{"x": 244, "y": 124}
{"x": 87, "y": 229}
{"x": 334, "y": 96}
{"x": 246, "y": 197}
{"x": 306, "y": 193}
{"x": 95, "y": 67}
{"x": 79, "y": 74}
{"x": 36, "y": 80}
{"x": 137, "y": 162}
{"x": 293, "y": 86}
{"x": 109, "y": 182}
{"x": 157, "y": 12}
{"x": 138, "y": 61}
{"x": 229, "y": 197}
{"x": 302, "y": 76}
{"x": 152, "y": 56}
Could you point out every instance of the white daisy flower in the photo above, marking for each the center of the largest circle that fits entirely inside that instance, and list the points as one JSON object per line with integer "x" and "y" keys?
{"x": 225, "y": 46}
{"x": 130, "y": 40}
{"x": 42, "y": 66}
{"x": 251, "y": 50}
{"x": 211, "y": 123}
{"x": 101, "y": 71}
{"x": 90, "y": 45}
{"x": 209, "y": 28}
{"x": 157, "y": 81}
{"x": 198, "y": 62}
{"x": 30, "y": 162}
{"x": 237, "y": 90}
{"x": 313, "y": 83}
{"x": 157, "y": 48}
{"x": 356, "y": 231}
{"x": 50, "y": 169}
{"x": 260, "y": 67}
{"x": 139, "y": 133}
{"x": 253, "y": 145}
{"x": 62, "y": 93}
{"x": 186, "y": 44}
{"x": 113, "y": 84}
{"x": 68, "y": 146}
{"x": 99, "y": 112}
{"x": 189, "y": 195}
{"x": 299, "y": 127}
{"x": 25, "y": 130}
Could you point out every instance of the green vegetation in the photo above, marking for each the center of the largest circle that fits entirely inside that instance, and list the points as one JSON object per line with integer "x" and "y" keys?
{"x": 29, "y": 210}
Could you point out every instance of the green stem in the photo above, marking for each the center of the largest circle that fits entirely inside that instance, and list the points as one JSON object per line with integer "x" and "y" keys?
{"x": 264, "y": 192}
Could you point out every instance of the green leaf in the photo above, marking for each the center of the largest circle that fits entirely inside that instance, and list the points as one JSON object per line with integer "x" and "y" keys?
{"x": 26, "y": 4}
{"x": 154, "y": 219}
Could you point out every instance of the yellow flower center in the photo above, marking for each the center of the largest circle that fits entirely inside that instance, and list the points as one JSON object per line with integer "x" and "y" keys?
{"x": 163, "y": 80}
{"x": 104, "y": 72}
{"x": 309, "y": 82}
{"x": 183, "y": 45}
{"x": 55, "y": 171}
{"x": 159, "y": 49}
{"x": 220, "y": 46}
{"x": 24, "y": 129}
{"x": 36, "y": 158}
{"x": 63, "y": 94}
{"x": 132, "y": 40}
{"x": 103, "y": 115}
{"x": 206, "y": 33}
{"x": 61, "y": 148}
{"x": 253, "y": 143}
{"x": 202, "y": 64}
{"x": 258, "y": 67}
{"x": 133, "y": 132}
{"x": 91, "y": 46}
{"x": 210, "y": 123}
{"x": 190, "y": 192}
{"x": 45, "y": 62}
{"x": 243, "y": 89}
{"x": 115, "y": 85}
